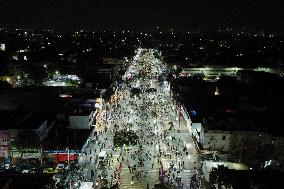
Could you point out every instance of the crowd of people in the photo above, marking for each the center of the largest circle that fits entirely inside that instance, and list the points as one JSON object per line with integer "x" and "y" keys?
{"x": 154, "y": 118}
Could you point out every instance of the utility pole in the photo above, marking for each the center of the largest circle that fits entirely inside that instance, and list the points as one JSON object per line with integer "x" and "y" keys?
{"x": 68, "y": 158}
{"x": 40, "y": 154}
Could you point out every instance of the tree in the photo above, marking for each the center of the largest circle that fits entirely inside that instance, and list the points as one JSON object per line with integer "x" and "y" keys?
{"x": 160, "y": 186}
{"x": 125, "y": 137}
{"x": 26, "y": 140}
{"x": 107, "y": 94}
{"x": 154, "y": 113}
{"x": 5, "y": 85}
{"x": 149, "y": 90}
{"x": 115, "y": 186}
{"x": 135, "y": 91}
{"x": 38, "y": 74}
{"x": 219, "y": 176}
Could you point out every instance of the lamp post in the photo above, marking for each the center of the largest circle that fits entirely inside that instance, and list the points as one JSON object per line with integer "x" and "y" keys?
{"x": 68, "y": 158}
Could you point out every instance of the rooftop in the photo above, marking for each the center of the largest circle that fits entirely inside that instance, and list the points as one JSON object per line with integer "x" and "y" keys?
{"x": 240, "y": 179}
{"x": 21, "y": 119}
{"x": 228, "y": 122}
{"x": 60, "y": 139}
{"x": 260, "y": 122}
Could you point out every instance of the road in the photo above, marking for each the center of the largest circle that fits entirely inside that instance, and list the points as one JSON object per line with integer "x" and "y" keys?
{"x": 164, "y": 150}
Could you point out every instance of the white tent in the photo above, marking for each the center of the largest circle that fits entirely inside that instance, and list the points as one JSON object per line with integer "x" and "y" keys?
{"x": 86, "y": 185}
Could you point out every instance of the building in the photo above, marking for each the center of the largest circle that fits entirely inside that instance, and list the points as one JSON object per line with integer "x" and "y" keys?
{"x": 241, "y": 138}
{"x": 15, "y": 181}
{"x": 4, "y": 146}
{"x": 225, "y": 177}
{"x": 63, "y": 144}
{"x": 20, "y": 121}
{"x": 208, "y": 166}
{"x": 82, "y": 113}
{"x": 217, "y": 70}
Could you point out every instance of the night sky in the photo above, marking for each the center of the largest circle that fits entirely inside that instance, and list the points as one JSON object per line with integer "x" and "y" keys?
{"x": 131, "y": 14}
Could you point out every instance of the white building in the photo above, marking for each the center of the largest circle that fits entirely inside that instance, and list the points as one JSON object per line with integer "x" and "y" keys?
{"x": 215, "y": 140}
{"x": 239, "y": 139}
{"x": 81, "y": 121}
{"x": 83, "y": 113}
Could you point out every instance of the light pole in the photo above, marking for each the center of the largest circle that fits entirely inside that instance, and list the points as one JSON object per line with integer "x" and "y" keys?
{"x": 68, "y": 158}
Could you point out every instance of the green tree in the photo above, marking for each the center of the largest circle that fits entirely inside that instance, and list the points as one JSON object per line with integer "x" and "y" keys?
{"x": 160, "y": 186}
{"x": 125, "y": 137}
{"x": 135, "y": 91}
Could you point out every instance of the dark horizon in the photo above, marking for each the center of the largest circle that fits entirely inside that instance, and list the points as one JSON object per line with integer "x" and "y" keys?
{"x": 126, "y": 14}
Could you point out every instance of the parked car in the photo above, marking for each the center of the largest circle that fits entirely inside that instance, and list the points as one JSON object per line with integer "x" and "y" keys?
{"x": 60, "y": 166}
{"x": 7, "y": 166}
{"x": 26, "y": 171}
{"x": 50, "y": 170}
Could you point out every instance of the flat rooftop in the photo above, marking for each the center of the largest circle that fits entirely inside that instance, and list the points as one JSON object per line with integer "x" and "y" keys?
{"x": 60, "y": 139}
{"x": 21, "y": 119}
{"x": 260, "y": 122}
{"x": 228, "y": 122}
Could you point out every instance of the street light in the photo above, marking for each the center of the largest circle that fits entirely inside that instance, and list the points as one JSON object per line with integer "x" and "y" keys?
{"x": 97, "y": 105}
{"x": 68, "y": 157}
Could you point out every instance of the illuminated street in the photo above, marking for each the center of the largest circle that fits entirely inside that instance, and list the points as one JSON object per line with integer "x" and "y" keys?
{"x": 163, "y": 150}
{"x": 141, "y": 94}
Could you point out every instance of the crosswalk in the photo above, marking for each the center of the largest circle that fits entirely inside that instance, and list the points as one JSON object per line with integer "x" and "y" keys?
{"x": 127, "y": 183}
{"x": 150, "y": 177}
{"x": 186, "y": 178}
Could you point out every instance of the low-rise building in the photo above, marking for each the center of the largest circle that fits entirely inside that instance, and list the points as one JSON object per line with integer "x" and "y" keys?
{"x": 241, "y": 138}
{"x": 208, "y": 166}
{"x": 225, "y": 177}
{"x": 82, "y": 113}
{"x": 64, "y": 144}
{"x": 21, "y": 122}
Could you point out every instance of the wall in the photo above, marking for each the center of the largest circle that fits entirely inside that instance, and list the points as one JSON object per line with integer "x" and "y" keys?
{"x": 187, "y": 118}
{"x": 4, "y": 152}
{"x": 42, "y": 131}
{"x": 4, "y": 137}
{"x": 35, "y": 154}
{"x": 196, "y": 128}
{"x": 79, "y": 122}
{"x": 215, "y": 140}
{"x": 243, "y": 146}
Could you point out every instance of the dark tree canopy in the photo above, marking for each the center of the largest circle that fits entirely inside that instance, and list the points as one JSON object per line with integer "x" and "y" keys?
{"x": 125, "y": 137}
